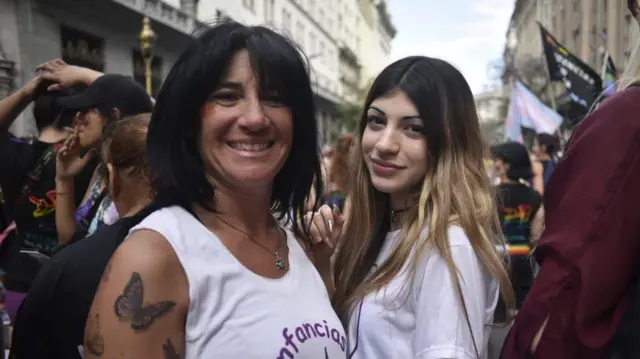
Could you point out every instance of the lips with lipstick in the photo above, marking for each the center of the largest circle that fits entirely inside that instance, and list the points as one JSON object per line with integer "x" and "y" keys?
{"x": 385, "y": 168}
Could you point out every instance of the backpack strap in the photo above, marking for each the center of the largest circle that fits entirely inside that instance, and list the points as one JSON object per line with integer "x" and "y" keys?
{"x": 36, "y": 172}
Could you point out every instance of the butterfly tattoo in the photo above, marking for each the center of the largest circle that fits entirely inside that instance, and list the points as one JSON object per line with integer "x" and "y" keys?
{"x": 93, "y": 341}
{"x": 130, "y": 305}
{"x": 169, "y": 351}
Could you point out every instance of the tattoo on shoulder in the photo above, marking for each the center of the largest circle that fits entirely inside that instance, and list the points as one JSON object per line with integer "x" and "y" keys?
{"x": 169, "y": 351}
{"x": 107, "y": 270}
{"x": 129, "y": 305}
{"x": 93, "y": 341}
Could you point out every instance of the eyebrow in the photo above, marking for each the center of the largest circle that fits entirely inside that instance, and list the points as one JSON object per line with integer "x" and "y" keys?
{"x": 229, "y": 85}
{"x": 403, "y": 118}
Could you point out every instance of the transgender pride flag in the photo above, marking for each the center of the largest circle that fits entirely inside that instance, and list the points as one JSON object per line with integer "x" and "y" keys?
{"x": 526, "y": 110}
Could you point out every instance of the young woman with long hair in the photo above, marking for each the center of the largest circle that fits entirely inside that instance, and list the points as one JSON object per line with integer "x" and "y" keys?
{"x": 417, "y": 270}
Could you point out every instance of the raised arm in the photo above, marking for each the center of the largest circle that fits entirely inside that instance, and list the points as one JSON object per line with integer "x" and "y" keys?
{"x": 13, "y": 105}
{"x": 141, "y": 305}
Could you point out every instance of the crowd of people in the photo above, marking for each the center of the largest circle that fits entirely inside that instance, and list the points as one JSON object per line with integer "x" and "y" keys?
{"x": 207, "y": 222}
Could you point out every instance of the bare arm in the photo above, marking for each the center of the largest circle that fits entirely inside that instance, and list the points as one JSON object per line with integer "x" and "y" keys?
{"x": 538, "y": 180}
{"x": 13, "y": 105}
{"x": 140, "y": 308}
{"x": 65, "y": 209}
{"x": 537, "y": 226}
{"x": 68, "y": 165}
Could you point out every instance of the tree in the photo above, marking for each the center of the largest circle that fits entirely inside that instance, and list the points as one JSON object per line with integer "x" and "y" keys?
{"x": 348, "y": 115}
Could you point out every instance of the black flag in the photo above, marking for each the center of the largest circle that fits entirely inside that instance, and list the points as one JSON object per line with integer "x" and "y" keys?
{"x": 583, "y": 83}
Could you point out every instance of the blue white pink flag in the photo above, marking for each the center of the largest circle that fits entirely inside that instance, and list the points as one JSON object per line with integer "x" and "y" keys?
{"x": 527, "y": 110}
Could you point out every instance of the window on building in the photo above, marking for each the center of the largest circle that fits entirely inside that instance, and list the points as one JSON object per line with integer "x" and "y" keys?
{"x": 299, "y": 35}
{"x": 322, "y": 51}
{"x": 286, "y": 21}
{"x": 250, "y": 4}
{"x": 312, "y": 44}
{"x": 331, "y": 61}
{"x": 139, "y": 71}
{"x": 82, "y": 49}
{"x": 312, "y": 7}
{"x": 268, "y": 10}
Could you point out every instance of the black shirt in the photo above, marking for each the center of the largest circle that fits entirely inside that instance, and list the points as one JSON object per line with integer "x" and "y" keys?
{"x": 51, "y": 321}
{"x": 30, "y": 199}
{"x": 517, "y": 205}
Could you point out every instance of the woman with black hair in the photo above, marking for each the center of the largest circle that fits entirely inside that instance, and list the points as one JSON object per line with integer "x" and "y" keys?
{"x": 210, "y": 273}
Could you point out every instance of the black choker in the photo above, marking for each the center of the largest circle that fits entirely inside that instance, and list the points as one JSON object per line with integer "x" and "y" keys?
{"x": 395, "y": 213}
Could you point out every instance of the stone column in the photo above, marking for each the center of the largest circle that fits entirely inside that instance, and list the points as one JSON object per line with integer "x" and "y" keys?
{"x": 585, "y": 29}
{"x": 613, "y": 21}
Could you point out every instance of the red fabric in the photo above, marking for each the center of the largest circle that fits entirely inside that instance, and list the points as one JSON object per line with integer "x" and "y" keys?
{"x": 589, "y": 252}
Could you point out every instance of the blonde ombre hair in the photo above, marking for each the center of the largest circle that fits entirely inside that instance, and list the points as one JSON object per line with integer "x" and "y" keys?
{"x": 455, "y": 190}
{"x": 631, "y": 72}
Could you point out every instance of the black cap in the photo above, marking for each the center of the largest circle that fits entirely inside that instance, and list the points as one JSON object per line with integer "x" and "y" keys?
{"x": 112, "y": 91}
{"x": 516, "y": 156}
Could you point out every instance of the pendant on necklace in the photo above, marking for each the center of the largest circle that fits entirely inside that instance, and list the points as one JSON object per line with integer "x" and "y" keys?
{"x": 280, "y": 263}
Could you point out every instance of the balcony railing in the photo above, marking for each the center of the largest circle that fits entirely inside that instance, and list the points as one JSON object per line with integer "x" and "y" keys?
{"x": 164, "y": 13}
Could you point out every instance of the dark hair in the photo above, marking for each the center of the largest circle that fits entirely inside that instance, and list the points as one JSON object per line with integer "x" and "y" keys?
{"x": 550, "y": 142}
{"x": 517, "y": 157}
{"x": 47, "y": 112}
{"x": 442, "y": 97}
{"x": 172, "y": 143}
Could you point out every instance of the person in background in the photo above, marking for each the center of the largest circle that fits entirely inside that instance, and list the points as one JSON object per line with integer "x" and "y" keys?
{"x": 27, "y": 180}
{"x": 589, "y": 253}
{"x": 233, "y": 143}
{"x": 52, "y": 318}
{"x": 546, "y": 147}
{"x": 338, "y": 174}
{"x": 108, "y": 98}
{"x": 326, "y": 156}
{"x": 520, "y": 211}
{"x": 417, "y": 272}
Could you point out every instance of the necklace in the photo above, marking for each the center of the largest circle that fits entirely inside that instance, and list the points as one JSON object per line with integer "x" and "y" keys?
{"x": 395, "y": 213}
{"x": 281, "y": 265}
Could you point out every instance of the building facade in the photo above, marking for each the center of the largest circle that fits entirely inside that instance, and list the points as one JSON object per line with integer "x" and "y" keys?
{"x": 311, "y": 26}
{"x": 491, "y": 106}
{"x": 100, "y": 34}
{"x": 347, "y": 42}
{"x": 376, "y": 35}
{"x": 587, "y": 28}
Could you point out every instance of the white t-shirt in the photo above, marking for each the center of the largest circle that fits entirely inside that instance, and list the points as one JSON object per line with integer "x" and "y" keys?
{"x": 235, "y": 313}
{"x": 424, "y": 318}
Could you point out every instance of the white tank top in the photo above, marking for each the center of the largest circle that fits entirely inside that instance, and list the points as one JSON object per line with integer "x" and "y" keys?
{"x": 235, "y": 313}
